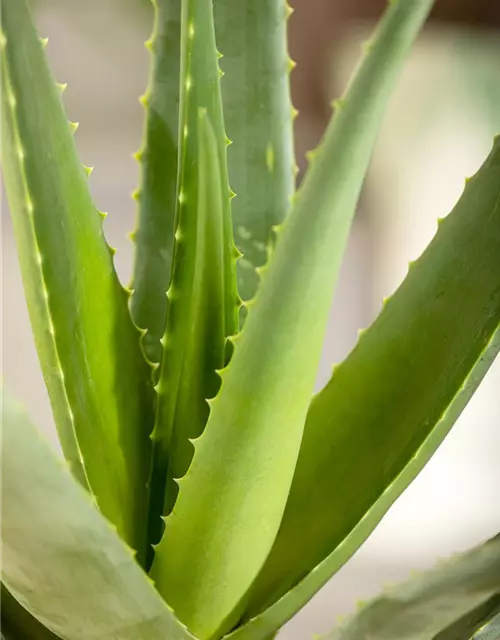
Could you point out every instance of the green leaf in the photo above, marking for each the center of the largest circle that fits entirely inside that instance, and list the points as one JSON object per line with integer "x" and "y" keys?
{"x": 489, "y": 631}
{"x": 395, "y": 397}
{"x": 231, "y": 501}
{"x": 89, "y": 349}
{"x": 203, "y": 302}
{"x": 18, "y": 624}
{"x": 472, "y": 621}
{"x": 421, "y": 607}
{"x": 258, "y": 117}
{"x": 154, "y": 236}
{"x": 30, "y": 261}
{"x": 61, "y": 559}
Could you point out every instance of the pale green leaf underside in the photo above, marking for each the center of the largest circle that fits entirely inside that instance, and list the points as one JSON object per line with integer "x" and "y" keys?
{"x": 232, "y": 499}
{"x": 397, "y": 394}
{"x": 258, "y": 117}
{"x": 61, "y": 559}
{"x": 18, "y": 624}
{"x": 154, "y": 235}
{"x": 202, "y": 297}
{"x": 422, "y": 607}
{"x": 89, "y": 349}
{"x": 474, "y": 620}
{"x": 489, "y": 631}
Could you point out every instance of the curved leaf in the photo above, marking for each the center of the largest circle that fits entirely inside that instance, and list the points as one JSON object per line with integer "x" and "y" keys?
{"x": 472, "y": 621}
{"x": 489, "y": 631}
{"x": 18, "y": 624}
{"x": 89, "y": 349}
{"x": 396, "y": 396}
{"x": 258, "y": 117}
{"x": 61, "y": 560}
{"x": 154, "y": 236}
{"x": 232, "y": 499}
{"x": 421, "y": 607}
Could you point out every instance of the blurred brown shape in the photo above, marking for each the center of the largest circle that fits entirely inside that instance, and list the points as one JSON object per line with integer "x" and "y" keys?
{"x": 316, "y": 30}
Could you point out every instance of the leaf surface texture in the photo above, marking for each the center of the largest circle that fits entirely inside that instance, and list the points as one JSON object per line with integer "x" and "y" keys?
{"x": 98, "y": 380}
{"x": 232, "y": 499}
{"x": 61, "y": 559}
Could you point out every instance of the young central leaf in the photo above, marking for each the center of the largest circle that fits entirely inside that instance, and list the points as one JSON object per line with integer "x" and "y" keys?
{"x": 202, "y": 297}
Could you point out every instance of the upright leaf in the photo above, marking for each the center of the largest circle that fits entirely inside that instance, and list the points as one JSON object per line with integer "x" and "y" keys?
{"x": 89, "y": 349}
{"x": 203, "y": 301}
{"x": 258, "y": 117}
{"x": 232, "y": 500}
{"x": 390, "y": 404}
{"x": 61, "y": 559}
{"x": 421, "y": 607}
{"x": 154, "y": 236}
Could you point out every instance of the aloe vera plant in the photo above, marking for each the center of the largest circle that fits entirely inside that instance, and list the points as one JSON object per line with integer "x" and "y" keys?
{"x": 205, "y": 493}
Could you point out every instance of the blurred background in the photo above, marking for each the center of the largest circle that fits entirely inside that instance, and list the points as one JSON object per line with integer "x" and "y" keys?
{"x": 438, "y": 130}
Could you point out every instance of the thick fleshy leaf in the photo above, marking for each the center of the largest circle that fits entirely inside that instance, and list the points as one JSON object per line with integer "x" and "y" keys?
{"x": 489, "y": 631}
{"x": 154, "y": 236}
{"x": 422, "y": 607}
{"x": 396, "y": 396}
{"x": 258, "y": 117}
{"x": 18, "y": 624}
{"x": 89, "y": 349}
{"x": 61, "y": 559}
{"x": 473, "y": 621}
{"x": 202, "y": 296}
{"x": 231, "y": 501}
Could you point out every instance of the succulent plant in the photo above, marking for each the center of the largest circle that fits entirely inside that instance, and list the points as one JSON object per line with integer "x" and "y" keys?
{"x": 205, "y": 492}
